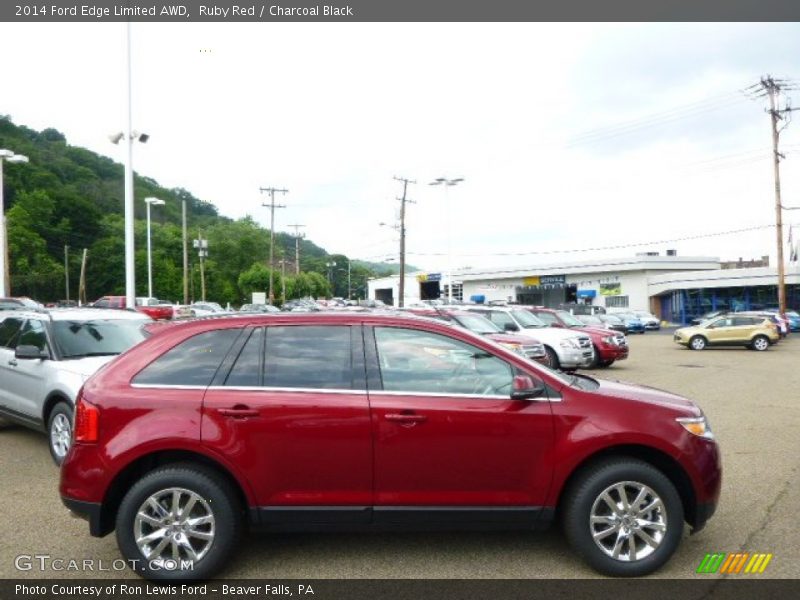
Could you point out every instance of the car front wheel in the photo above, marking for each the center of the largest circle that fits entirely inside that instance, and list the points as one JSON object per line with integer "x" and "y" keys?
{"x": 59, "y": 431}
{"x": 179, "y": 522}
{"x": 624, "y": 517}
{"x": 760, "y": 343}
{"x": 552, "y": 358}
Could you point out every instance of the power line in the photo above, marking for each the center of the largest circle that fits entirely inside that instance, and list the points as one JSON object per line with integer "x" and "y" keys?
{"x": 600, "y": 248}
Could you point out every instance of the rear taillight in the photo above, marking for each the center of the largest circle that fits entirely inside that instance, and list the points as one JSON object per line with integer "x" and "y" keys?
{"x": 87, "y": 421}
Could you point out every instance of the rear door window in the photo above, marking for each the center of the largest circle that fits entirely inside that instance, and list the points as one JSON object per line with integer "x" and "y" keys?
{"x": 311, "y": 356}
{"x": 193, "y": 362}
{"x": 248, "y": 369}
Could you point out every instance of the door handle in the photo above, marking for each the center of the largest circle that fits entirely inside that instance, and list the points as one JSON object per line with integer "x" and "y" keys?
{"x": 405, "y": 419}
{"x": 13, "y": 362}
{"x": 238, "y": 412}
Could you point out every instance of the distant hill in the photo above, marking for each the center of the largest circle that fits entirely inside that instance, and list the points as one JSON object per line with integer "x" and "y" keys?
{"x": 70, "y": 196}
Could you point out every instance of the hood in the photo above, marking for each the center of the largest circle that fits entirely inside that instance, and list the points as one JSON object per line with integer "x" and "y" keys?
{"x": 509, "y": 338}
{"x": 596, "y": 331}
{"x": 648, "y": 395}
{"x": 552, "y": 334}
{"x": 84, "y": 367}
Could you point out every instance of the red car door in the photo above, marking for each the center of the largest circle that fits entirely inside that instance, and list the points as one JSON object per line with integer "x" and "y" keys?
{"x": 292, "y": 413}
{"x": 447, "y": 433}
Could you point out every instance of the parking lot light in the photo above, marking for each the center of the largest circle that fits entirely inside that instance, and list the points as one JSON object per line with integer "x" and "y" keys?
{"x": 448, "y": 183}
{"x": 5, "y": 156}
{"x": 150, "y": 202}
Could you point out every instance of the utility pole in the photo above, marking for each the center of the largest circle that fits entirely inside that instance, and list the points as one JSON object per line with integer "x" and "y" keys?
{"x": 66, "y": 270}
{"x": 771, "y": 88}
{"x": 185, "y": 254}
{"x": 403, "y": 200}
{"x": 272, "y": 206}
{"x": 283, "y": 281}
{"x": 297, "y": 237}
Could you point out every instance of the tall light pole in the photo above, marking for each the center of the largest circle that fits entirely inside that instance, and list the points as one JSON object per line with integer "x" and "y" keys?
{"x": 150, "y": 202}
{"x": 5, "y": 156}
{"x": 185, "y": 254}
{"x": 330, "y": 266}
{"x": 129, "y": 135}
{"x": 446, "y": 184}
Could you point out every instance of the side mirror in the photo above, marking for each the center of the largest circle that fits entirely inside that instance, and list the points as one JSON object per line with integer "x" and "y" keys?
{"x": 523, "y": 388}
{"x": 29, "y": 352}
{"x": 510, "y": 327}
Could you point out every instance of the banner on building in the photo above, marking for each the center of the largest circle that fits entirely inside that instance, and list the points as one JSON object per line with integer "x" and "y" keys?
{"x": 610, "y": 289}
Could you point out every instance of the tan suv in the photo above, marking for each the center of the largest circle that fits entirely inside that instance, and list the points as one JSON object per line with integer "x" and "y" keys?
{"x": 754, "y": 331}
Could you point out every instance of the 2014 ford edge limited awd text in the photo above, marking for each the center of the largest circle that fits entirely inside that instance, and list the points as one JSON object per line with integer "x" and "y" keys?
{"x": 369, "y": 421}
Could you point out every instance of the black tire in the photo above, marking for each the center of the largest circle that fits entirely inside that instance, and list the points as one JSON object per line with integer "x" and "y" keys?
{"x": 698, "y": 342}
{"x": 596, "y": 359}
{"x": 584, "y": 496}
{"x": 59, "y": 431}
{"x": 603, "y": 364}
{"x": 760, "y": 343}
{"x": 214, "y": 499}
{"x": 552, "y": 358}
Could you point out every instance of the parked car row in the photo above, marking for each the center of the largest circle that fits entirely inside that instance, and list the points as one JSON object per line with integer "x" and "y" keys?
{"x": 753, "y": 330}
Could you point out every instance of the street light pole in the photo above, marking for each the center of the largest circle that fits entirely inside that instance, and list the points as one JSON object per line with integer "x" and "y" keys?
{"x": 447, "y": 183}
{"x": 5, "y": 271}
{"x": 185, "y": 254}
{"x": 150, "y": 202}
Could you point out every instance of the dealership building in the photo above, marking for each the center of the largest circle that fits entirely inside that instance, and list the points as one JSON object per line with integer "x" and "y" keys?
{"x": 674, "y": 288}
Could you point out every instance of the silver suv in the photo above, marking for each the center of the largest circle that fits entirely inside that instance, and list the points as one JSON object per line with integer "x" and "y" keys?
{"x": 46, "y": 355}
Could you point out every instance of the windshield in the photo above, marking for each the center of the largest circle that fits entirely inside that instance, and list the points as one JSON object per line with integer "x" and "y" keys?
{"x": 527, "y": 320}
{"x": 569, "y": 319}
{"x": 591, "y": 320}
{"x": 477, "y": 324}
{"x": 77, "y": 339}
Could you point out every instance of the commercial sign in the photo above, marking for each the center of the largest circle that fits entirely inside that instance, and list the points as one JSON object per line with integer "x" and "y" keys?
{"x": 539, "y": 280}
{"x": 424, "y": 277}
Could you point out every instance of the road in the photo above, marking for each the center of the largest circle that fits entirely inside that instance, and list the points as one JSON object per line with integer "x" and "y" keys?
{"x": 751, "y": 398}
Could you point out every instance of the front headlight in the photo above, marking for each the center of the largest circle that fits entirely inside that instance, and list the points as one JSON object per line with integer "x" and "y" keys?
{"x": 697, "y": 426}
{"x": 513, "y": 346}
{"x": 610, "y": 340}
{"x": 569, "y": 343}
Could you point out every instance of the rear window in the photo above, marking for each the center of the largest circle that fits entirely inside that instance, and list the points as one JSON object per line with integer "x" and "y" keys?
{"x": 193, "y": 362}
{"x": 78, "y": 339}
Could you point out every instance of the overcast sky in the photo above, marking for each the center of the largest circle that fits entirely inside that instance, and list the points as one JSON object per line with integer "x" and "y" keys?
{"x": 568, "y": 136}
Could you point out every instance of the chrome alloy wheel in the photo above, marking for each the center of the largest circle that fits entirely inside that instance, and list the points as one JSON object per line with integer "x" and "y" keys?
{"x": 761, "y": 343}
{"x": 60, "y": 435}
{"x": 174, "y": 525}
{"x": 628, "y": 521}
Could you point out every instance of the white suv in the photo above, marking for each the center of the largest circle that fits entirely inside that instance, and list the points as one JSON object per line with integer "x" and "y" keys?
{"x": 46, "y": 355}
{"x": 566, "y": 349}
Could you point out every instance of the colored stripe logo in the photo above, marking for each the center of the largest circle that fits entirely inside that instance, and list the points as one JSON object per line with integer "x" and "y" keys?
{"x": 738, "y": 563}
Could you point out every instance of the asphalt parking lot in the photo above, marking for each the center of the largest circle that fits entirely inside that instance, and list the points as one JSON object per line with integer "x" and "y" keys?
{"x": 751, "y": 398}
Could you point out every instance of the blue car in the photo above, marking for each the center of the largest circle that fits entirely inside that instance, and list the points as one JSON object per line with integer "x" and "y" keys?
{"x": 632, "y": 323}
{"x": 792, "y": 316}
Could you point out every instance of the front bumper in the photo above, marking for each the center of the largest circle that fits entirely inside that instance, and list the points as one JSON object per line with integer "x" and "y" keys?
{"x": 572, "y": 358}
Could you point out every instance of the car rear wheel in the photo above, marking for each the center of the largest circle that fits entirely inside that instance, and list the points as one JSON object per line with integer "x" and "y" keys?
{"x": 698, "y": 342}
{"x": 179, "y": 522}
{"x": 59, "y": 431}
{"x": 624, "y": 517}
{"x": 760, "y": 343}
{"x": 552, "y": 358}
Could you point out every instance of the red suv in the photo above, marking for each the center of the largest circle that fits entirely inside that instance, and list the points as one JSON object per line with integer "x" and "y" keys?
{"x": 364, "y": 421}
{"x": 609, "y": 345}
